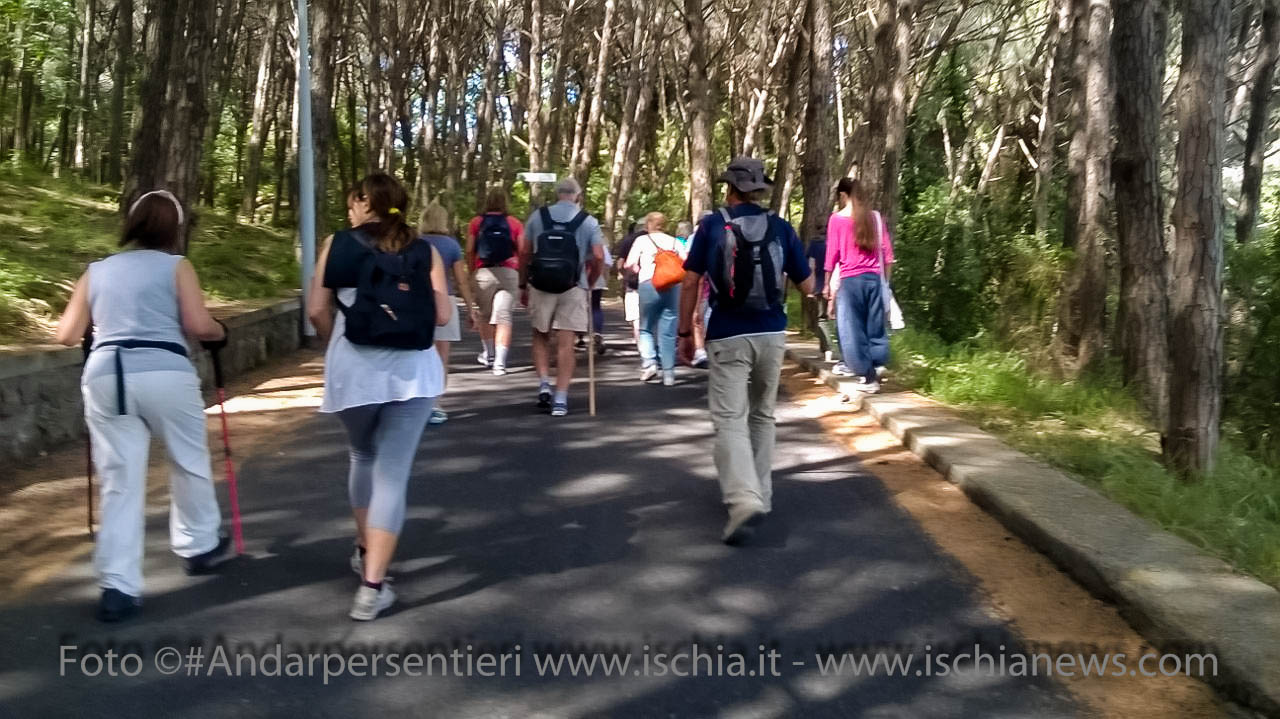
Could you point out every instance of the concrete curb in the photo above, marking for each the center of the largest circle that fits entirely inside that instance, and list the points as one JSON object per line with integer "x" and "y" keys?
{"x": 1179, "y": 598}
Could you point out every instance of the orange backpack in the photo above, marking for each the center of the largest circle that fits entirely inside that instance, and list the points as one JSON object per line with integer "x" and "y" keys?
{"x": 668, "y": 268}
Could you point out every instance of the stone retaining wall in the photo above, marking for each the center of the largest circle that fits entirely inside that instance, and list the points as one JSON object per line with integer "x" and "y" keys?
{"x": 40, "y": 405}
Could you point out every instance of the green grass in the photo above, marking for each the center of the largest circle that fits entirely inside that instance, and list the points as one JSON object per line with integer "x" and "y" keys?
{"x": 53, "y": 228}
{"x": 1095, "y": 430}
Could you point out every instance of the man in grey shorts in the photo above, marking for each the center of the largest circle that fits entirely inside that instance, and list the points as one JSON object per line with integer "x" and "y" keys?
{"x": 568, "y": 313}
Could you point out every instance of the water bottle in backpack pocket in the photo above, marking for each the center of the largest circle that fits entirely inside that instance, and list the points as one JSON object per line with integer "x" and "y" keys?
{"x": 748, "y": 272}
{"x": 395, "y": 304}
{"x": 557, "y": 263}
{"x": 494, "y": 243}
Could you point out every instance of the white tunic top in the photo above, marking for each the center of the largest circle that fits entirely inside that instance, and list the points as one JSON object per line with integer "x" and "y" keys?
{"x": 359, "y": 375}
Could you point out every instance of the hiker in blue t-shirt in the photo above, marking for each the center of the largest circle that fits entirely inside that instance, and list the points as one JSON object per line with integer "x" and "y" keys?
{"x": 745, "y": 251}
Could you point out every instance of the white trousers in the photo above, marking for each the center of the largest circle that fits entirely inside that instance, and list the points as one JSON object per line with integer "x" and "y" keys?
{"x": 168, "y": 405}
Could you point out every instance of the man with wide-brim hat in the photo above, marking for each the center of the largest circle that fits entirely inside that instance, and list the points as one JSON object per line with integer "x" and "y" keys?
{"x": 747, "y": 252}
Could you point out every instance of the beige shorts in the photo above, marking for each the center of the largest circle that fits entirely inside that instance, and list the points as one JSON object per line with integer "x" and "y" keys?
{"x": 568, "y": 311}
{"x": 498, "y": 288}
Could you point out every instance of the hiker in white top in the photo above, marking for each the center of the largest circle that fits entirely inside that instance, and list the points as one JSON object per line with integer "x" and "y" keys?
{"x": 658, "y": 258}
{"x": 382, "y": 394}
{"x": 143, "y": 304}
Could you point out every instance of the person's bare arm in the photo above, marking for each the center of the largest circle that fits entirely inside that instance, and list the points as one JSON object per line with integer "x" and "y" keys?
{"x": 75, "y": 319}
{"x": 689, "y": 296}
{"x": 595, "y": 267}
{"x": 320, "y": 299}
{"x": 463, "y": 280}
{"x": 196, "y": 320}
{"x": 439, "y": 285}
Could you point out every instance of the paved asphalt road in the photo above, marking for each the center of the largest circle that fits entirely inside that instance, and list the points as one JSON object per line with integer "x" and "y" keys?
{"x": 573, "y": 533}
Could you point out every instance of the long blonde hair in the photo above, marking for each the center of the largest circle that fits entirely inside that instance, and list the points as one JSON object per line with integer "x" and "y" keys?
{"x": 434, "y": 220}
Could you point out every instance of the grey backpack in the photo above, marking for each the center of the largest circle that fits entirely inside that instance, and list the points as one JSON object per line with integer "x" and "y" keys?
{"x": 748, "y": 273}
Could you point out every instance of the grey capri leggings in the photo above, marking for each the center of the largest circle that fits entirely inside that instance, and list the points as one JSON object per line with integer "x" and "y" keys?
{"x": 384, "y": 440}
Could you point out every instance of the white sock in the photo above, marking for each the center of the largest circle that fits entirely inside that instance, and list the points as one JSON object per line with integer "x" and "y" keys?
{"x": 500, "y": 358}
{"x": 545, "y": 383}
{"x": 488, "y": 348}
{"x": 562, "y": 397}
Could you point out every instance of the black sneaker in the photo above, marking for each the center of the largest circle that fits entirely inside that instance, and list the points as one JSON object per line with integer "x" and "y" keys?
{"x": 544, "y": 399}
{"x": 116, "y": 606}
{"x": 204, "y": 563}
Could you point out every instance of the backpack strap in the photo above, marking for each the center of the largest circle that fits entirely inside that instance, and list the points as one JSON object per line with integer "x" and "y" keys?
{"x": 577, "y": 221}
{"x": 544, "y": 212}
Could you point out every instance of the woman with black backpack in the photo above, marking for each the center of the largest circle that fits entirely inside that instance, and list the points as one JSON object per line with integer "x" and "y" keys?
{"x": 382, "y": 372}
{"x": 141, "y": 305}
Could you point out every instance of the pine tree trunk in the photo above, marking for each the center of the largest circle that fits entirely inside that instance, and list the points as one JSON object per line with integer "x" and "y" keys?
{"x": 533, "y": 103}
{"x": 1195, "y": 311}
{"x": 1255, "y": 143}
{"x": 86, "y": 57}
{"x": 591, "y": 138}
{"x": 1051, "y": 101}
{"x": 485, "y": 134}
{"x": 1143, "y": 314}
{"x": 816, "y": 165}
{"x": 1083, "y": 303}
{"x": 120, "y": 78}
{"x": 326, "y": 18}
{"x": 701, "y": 104}
{"x": 258, "y": 122}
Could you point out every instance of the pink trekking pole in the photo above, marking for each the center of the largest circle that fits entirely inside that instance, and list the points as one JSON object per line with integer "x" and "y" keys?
{"x": 236, "y": 531}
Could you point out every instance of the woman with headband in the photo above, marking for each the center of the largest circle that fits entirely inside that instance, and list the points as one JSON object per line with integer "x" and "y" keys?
{"x": 142, "y": 305}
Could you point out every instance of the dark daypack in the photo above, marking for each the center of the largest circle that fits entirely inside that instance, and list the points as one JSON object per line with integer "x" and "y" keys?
{"x": 557, "y": 264}
{"x": 748, "y": 274}
{"x": 395, "y": 304}
{"x": 494, "y": 243}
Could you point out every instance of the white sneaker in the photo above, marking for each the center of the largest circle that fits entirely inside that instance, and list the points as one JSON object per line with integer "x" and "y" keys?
{"x": 862, "y": 385}
{"x": 881, "y": 371}
{"x": 499, "y": 371}
{"x": 742, "y": 518}
{"x": 669, "y": 378}
{"x": 438, "y": 416}
{"x": 483, "y": 359}
{"x": 370, "y": 602}
{"x": 700, "y": 359}
{"x": 842, "y": 370}
{"x": 648, "y": 373}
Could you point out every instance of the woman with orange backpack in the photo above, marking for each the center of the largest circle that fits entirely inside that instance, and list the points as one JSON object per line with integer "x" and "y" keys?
{"x": 658, "y": 258}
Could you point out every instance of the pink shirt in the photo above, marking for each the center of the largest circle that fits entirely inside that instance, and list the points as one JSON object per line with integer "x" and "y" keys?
{"x": 843, "y": 250}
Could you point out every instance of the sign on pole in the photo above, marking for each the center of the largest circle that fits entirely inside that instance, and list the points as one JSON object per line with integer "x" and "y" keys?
{"x": 534, "y": 178}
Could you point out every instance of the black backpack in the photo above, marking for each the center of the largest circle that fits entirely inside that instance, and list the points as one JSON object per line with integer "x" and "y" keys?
{"x": 494, "y": 243}
{"x": 395, "y": 304}
{"x": 557, "y": 265}
{"x": 748, "y": 274}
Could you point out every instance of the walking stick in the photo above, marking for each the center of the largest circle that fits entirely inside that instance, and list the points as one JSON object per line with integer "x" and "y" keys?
{"x": 591, "y": 359}
{"x": 237, "y": 532}
{"x": 86, "y": 346}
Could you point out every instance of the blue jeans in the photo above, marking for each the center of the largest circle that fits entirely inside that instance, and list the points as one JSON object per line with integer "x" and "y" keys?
{"x": 658, "y": 319}
{"x": 384, "y": 441}
{"x": 860, "y": 320}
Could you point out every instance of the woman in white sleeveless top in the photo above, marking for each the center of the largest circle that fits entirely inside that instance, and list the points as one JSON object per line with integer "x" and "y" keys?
{"x": 143, "y": 304}
{"x": 383, "y": 396}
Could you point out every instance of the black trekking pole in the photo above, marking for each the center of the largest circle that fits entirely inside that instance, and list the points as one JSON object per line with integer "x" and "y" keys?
{"x": 86, "y": 346}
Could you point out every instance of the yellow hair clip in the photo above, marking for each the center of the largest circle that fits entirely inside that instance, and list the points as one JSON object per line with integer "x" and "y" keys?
{"x": 394, "y": 211}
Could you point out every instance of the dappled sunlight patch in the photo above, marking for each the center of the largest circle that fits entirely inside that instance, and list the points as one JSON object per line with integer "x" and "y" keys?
{"x": 604, "y": 483}
{"x": 663, "y": 578}
{"x": 745, "y": 600}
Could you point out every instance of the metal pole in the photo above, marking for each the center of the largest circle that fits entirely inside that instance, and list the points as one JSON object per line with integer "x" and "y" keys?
{"x": 306, "y": 163}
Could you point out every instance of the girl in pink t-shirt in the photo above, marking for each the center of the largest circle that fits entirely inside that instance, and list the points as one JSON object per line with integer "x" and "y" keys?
{"x": 859, "y": 254}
